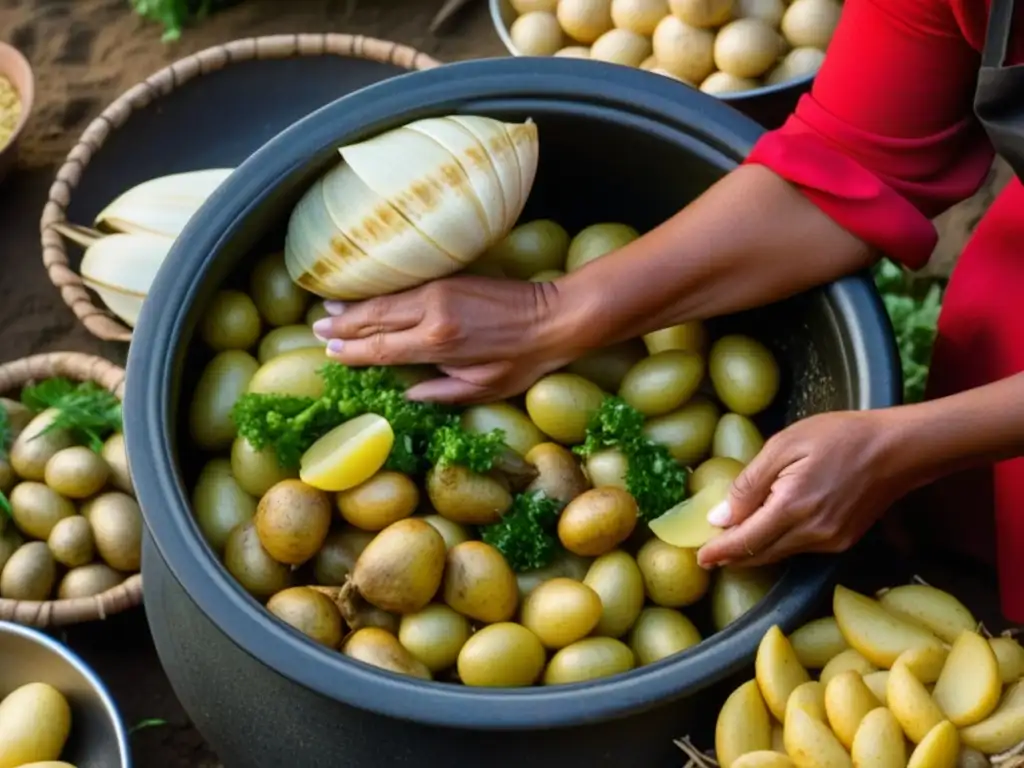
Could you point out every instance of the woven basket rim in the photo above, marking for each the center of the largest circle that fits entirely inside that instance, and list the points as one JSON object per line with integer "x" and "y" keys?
{"x": 99, "y": 321}
{"x": 126, "y": 595}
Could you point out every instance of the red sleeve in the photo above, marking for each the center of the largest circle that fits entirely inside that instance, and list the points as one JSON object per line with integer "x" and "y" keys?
{"x": 887, "y": 139}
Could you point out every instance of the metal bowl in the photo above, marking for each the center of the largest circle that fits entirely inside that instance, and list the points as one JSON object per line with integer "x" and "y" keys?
{"x": 770, "y": 105}
{"x": 98, "y": 737}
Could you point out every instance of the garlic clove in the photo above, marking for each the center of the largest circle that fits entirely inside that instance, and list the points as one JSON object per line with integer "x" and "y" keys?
{"x": 422, "y": 180}
{"x": 161, "y": 206}
{"x": 121, "y": 269}
{"x": 495, "y": 140}
{"x": 527, "y": 144}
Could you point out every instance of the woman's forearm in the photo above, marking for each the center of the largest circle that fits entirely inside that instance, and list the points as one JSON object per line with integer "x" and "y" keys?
{"x": 750, "y": 240}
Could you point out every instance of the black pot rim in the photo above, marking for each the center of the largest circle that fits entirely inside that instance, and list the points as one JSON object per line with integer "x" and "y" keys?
{"x": 156, "y": 352}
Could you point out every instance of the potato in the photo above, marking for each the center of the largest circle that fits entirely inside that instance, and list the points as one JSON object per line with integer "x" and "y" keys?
{"x": 924, "y": 662}
{"x": 536, "y": 33}
{"x": 310, "y": 612}
{"x": 778, "y": 738}
{"x": 7, "y": 477}
{"x": 231, "y": 321}
{"x": 723, "y": 82}
{"x": 935, "y": 610}
{"x": 686, "y": 337}
{"x": 971, "y": 758}
{"x": 672, "y": 577}
{"x": 71, "y": 542}
{"x": 621, "y": 46}
{"x": 565, "y": 564}
{"x": 219, "y": 503}
{"x": 744, "y": 373}
{"x": 969, "y": 686}
{"x": 561, "y": 405}
{"x": 287, "y": 338}
{"x": 764, "y": 759}
{"x": 292, "y": 520}
{"x": 811, "y": 23}
{"x": 256, "y": 572}
{"x": 279, "y": 300}
{"x": 316, "y": 311}
{"x": 686, "y": 524}
{"x": 874, "y": 632}
{"x": 561, "y": 611}
{"x": 939, "y": 749}
{"x": 37, "y": 508}
{"x": 117, "y": 461}
{"x": 35, "y": 722}
{"x": 337, "y": 556}
{"x": 743, "y": 725}
{"x": 877, "y": 683}
{"x": 663, "y": 382}
{"x": 661, "y": 632}
{"x": 911, "y": 704}
{"x": 560, "y": 476}
{"x": 608, "y": 366}
{"x": 640, "y": 16}
{"x": 768, "y": 11}
{"x": 847, "y": 701}
{"x": 533, "y": 247}
{"x": 256, "y": 472}
{"x": 452, "y": 533}
{"x": 879, "y": 741}
{"x": 1013, "y": 696}
{"x": 607, "y": 469}
{"x": 225, "y": 379}
{"x": 503, "y": 655}
{"x": 29, "y": 574}
{"x": 465, "y": 497}
{"x": 76, "y": 472}
{"x": 385, "y": 498}
{"x": 809, "y": 697}
{"x": 435, "y": 636}
{"x": 525, "y": 6}
{"x": 1000, "y": 731}
{"x": 736, "y": 437}
{"x": 704, "y": 14}
{"x": 799, "y": 62}
{"x": 817, "y": 642}
{"x": 35, "y": 446}
{"x": 747, "y": 48}
{"x": 478, "y": 583}
{"x": 778, "y": 673}
{"x": 597, "y": 240}
{"x": 1010, "y": 657}
{"x": 589, "y": 659}
{"x": 88, "y": 580}
{"x": 18, "y": 416}
{"x": 846, "y": 661}
{"x": 597, "y": 521}
{"x": 381, "y": 649}
{"x": 520, "y": 434}
{"x": 401, "y": 569}
{"x": 811, "y": 744}
{"x": 292, "y": 373}
{"x": 10, "y": 540}
{"x": 688, "y": 432}
{"x": 735, "y": 591}
{"x": 618, "y": 582}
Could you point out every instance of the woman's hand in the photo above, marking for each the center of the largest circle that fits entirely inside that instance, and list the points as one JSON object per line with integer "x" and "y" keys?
{"x": 817, "y": 486}
{"x": 491, "y": 338}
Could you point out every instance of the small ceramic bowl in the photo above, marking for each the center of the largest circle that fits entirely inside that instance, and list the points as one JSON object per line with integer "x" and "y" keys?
{"x": 98, "y": 738}
{"x": 16, "y": 68}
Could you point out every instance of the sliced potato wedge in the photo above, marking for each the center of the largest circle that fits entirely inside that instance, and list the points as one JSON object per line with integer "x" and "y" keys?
{"x": 1013, "y": 696}
{"x": 876, "y": 683}
{"x": 810, "y": 743}
{"x": 1010, "y": 656}
{"x": 932, "y": 608}
{"x": 846, "y": 661}
{"x": 764, "y": 759}
{"x": 879, "y": 635}
{"x": 912, "y": 705}
{"x": 847, "y": 701}
{"x": 686, "y": 524}
{"x": 969, "y": 687}
{"x": 778, "y": 671}
{"x": 818, "y": 642}
{"x": 743, "y": 725}
{"x": 810, "y": 697}
{"x": 938, "y": 749}
{"x": 879, "y": 741}
{"x": 778, "y": 740}
{"x": 924, "y": 662}
{"x": 1001, "y": 730}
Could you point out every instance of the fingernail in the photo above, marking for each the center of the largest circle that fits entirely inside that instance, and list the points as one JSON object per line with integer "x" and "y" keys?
{"x": 334, "y": 308}
{"x": 720, "y": 516}
{"x": 334, "y": 346}
{"x": 322, "y": 329}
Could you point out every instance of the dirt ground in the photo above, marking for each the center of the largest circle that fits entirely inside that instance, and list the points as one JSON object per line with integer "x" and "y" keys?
{"x": 85, "y": 53}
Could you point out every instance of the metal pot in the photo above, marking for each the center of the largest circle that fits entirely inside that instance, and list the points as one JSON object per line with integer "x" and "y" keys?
{"x": 616, "y": 144}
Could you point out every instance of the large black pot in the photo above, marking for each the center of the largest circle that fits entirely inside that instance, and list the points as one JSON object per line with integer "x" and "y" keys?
{"x": 615, "y": 145}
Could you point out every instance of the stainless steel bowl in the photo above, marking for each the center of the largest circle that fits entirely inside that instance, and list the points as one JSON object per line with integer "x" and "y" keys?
{"x": 98, "y": 737}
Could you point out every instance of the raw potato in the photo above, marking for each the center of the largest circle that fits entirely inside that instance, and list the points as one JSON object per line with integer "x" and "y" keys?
{"x": 969, "y": 687}
{"x": 385, "y": 498}
{"x": 88, "y": 580}
{"x": 401, "y": 569}
{"x": 621, "y": 46}
{"x": 504, "y": 655}
{"x": 561, "y": 611}
{"x": 912, "y": 705}
{"x": 465, "y": 497}
{"x": 933, "y": 609}
{"x": 672, "y": 577}
{"x": 764, "y": 759}
{"x": 589, "y": 659}
{"x": 702, "y": 13}
{"x": 714, "y": 470}
{"x": 924, "y": 663}
{"x": 778, "y": 673}
{"x": 453, "y": 533}
{"x": 569, "y": 52}
{"x": 536, "y": 246}
{"x": 748, "y": 48}
{"x": 338, "y": 555}
{"x": 743, "y": 725}
{"x": 799, "y": 62}
{"x": 35, "y": 722}
{"x": 686, "y": 524}
{"x": 219, "y": 503}
{"x": 256, "y": 571}
{"x": 292, "y": 520}
{"x": 607, "y": 366}
{"x": 817, "y": 642}
{"x": 435, "y": 636}
{"x": 810, "y": 698}
{"x": 287, "y": 338}
{"x": 1010, "y": 657}
{"x": 10, "y": 540}
{"x": 686, "y": 337}
{"x": 640, "y": 16}
{"x": 811, "y": 23}
{"x": 225, "y": 379}
{"x": 879, "y": 742}
{"x": 688, "y": 432}
{"x": 877, "y": 683}
{"x": 18, "y": 415}
{"x": 36, "y": 509}
{"x": 280, "y": 301}
{"x": 565, "y": 565}
{"x": 76, "y": 472}
{"x": 230, "y": 322}
{"x": 661, "y": 632}
{"x": 878, "y": 635}
{"x": 768, "y": 11}
{"x": 293, "y": 373}
{"x": 846, "y": 661}
{"x": 29, "y": 574}
{"x": 1000, "y": 731}
{"x": 663, "y": 382}
{"x": 607, "y": 469}
{"x": 685, "y": 51}
{"x": 561, "y": 406}
{"x": 737, "y": 437}
{"x": 525, "y": 6}
{"x": 478, "y": 583}
{"x": 736, "y": 591}
{"x": 378, "y": 648}
{"x": 560, "y": 476}
{"x": 256, "y": 472}
{"x": 617, "y": 580}
{"x": 939, "y": 749}
{"x": 810, "y": 743}
{"x": 597, "y": 521}
{"x": 723, "y": 82}
{"x": 536, "y": 33}
{"x": 585, "y": 20}
{"x": 71, "y": 542}
{"x": 597, "y": 240}
{"x": 117, "y": 529}
{"x": 310, "y": 612}
{"x": 117, "y": 459}
{"x": 847, "y": 701}
{"x": 35, "y": 446}
{"x": 521, "y": 434}
{"x": 743, "y": 371}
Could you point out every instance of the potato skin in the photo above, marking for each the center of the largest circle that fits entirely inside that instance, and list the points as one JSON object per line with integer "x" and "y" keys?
{"x": 597, "y": 521}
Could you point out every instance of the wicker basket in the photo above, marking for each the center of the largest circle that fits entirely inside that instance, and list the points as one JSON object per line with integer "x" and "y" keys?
{"x": 86, "y": 307}
{"x": 128, "y": 594}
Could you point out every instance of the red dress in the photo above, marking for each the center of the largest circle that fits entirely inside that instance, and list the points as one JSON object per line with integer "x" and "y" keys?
{"x": 887, "y": 140}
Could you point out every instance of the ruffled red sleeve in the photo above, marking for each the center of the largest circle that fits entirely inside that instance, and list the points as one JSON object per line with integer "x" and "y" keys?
{"x": 887, "y": 140}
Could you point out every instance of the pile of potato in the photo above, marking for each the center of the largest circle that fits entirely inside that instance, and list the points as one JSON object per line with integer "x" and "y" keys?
{"x": 35, "y": 722}
{"x": 719, "y": 46}
{"x": 907, "y": 679}
{"x": 392, "y": 571}
{"x": 75, "y": 529}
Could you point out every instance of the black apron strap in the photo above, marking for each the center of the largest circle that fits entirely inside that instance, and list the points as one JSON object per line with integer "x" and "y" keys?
{"x": 997, "y": 37}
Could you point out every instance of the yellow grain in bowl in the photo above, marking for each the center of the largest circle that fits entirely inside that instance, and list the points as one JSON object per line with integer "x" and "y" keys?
{"x": 10, "y": 110}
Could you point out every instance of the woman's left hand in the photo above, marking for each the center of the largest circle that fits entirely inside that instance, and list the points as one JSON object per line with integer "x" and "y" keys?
{"x": 817, "y": 486}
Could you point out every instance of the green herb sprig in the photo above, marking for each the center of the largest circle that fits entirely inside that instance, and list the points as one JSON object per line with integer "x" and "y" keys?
{"x": 525, "y": 534}
{"x": 85, "y": 409}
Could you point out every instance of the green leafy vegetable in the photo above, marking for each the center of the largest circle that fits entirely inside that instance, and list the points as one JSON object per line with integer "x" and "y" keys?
{"x": 451, "y": 444}
{"x": 525, "y": 535}
{"x": 654, "y": 478}
{"x": 174, "y": 14}
{"x": 85, "y": 409}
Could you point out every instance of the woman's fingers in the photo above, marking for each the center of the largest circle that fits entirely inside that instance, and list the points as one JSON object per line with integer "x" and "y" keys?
{"x": 790, "y": 543}
{"x": 448, "y": 390}
{"x": 362, "y": 319}
{"x": 404, "y": 347}
{"x": 750, "y": 537}
{"x": 752, "y": 487}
